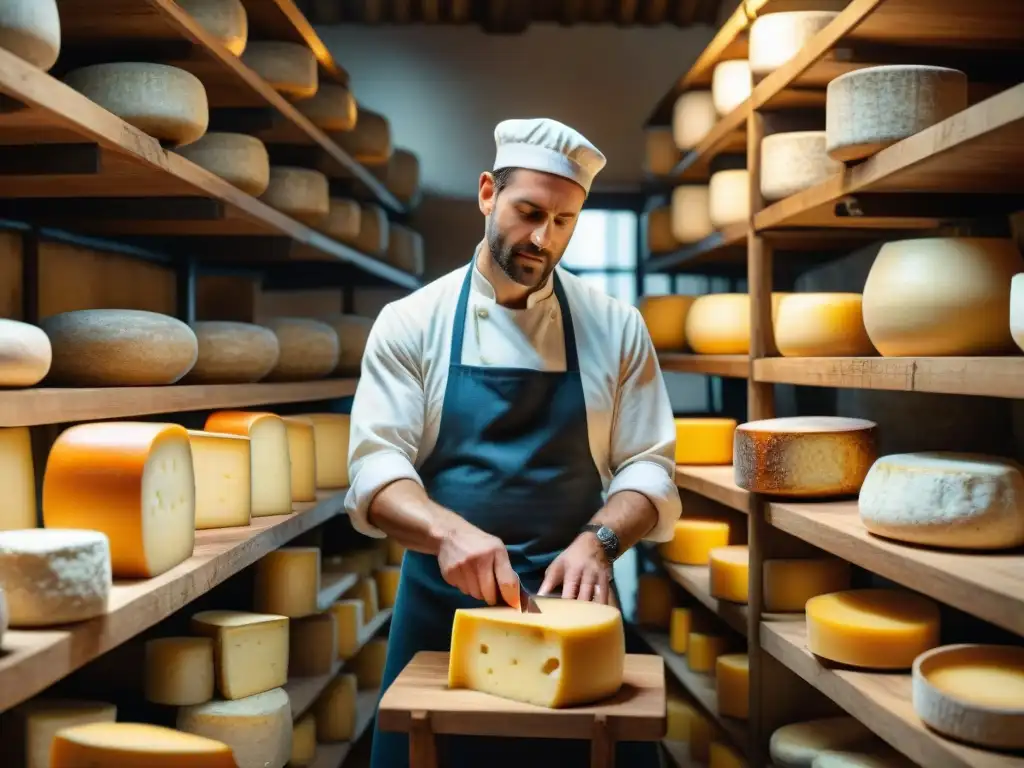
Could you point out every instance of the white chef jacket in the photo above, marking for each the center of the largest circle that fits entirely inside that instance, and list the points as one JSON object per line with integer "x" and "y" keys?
{"x": 396, "y": 413}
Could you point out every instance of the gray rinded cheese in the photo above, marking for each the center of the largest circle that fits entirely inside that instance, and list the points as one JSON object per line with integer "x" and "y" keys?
{"x": 309, "y": 349}
{"x": 353, "y": 331}
{"x": 301, "y": 193}
{"x": 405, "y": 249}
{"x": 373, "y": 230}
{"x": 693, "y": 117}
{"x": 224, "y": 20}
{"x": 791, "y": 162}
{"x": 232, "y": 353}
{"x": 400, "y": 175}
{"x": 25, "y": 354}
{"x": 691, "y": 220}
{"x": 239, "y": 159}
{"x": 30, "y": 29}
{"x": 344, "y": 218}
{"x": 332, "y": 108}
{"x": 289, "y": 68}
{"x": 731, "y": 85}
{"x": 775, "y": 38}
{"x": 370, "y": 141}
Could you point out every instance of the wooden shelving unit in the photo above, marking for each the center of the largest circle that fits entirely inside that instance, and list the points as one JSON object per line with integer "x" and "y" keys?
{"x": 732, "y": 366}
{"x": 696, "y": 580}
{"x": 716, "y": 483}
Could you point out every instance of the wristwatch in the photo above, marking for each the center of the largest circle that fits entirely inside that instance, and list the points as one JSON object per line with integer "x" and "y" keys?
{"x": 607, "y": 538}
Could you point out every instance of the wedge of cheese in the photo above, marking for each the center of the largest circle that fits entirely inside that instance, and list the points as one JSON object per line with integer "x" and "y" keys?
{"x": 221, "y": 464}
{"x": 302, "y": 454}
{"x": 330, "y": 438}
{"x": 250, "y": 650}
{"x": 270, "y": 463}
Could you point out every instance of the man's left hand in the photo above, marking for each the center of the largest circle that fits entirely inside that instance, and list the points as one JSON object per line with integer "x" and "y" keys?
{"x": 582, "y": 570}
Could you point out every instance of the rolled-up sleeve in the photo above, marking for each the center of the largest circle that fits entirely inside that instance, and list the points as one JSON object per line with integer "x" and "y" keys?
{"x": 643, "y": 439}
{"x": 387, "y": 416}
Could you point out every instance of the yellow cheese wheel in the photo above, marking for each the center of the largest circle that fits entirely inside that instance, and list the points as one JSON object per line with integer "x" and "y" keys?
{"x": 660, "y": 152}
{"x": 232, "y": 353}
{"x": 792, "y": 162}
{"x": 729, "y": 577}
{"x": 331, "y": 108}
{"x": 872, "y": 628}
{"x": 693, "y": 540}
{"x": 287, "y": 582}
{"x": 691, "y": 215}
{"x": 30, "y": 29}
{"x": 309, "y": 349}
{"x": 732, "y": 680}
{"x": 821, "y": 325}
{"x": 25, "y": 354}
{"x": 136, "y": 745}
{"x": 731, "y": 85}
{"x": 703, "y": 650}
{"x": 704, "y": 440}
{"x": 941, "y": 296}
{"x": 250, "y": 650}
{"x": 330, "y": 441}
{"x": 348, "y": 615}
{"x": 654, "y": 601}
{"x": 804, "y": 456}
{"x": 775, "y": 38}
{"x": 719, "y": 323}
{"x": 679, "y": 629}
{"x": 365, "y": 591}
{"x": 693, "y": 117}
{"x": 224, "y": 20}
{"x": 335, "y": 710}
{"x": 659, "y": 230}
{"x": 665, "y": 317}
{"x": 370, "y": 141}
{"x": 302, "y": 455}
{"x": 289, "y": 68}
{"x": 368, "y": 665}
{"x": 298, "y": 192}
{"x": 789, "y": 584}
{"x": 240, "y": 160}
{"x": 729, "y": 197}
{"x": 269, "y": 472}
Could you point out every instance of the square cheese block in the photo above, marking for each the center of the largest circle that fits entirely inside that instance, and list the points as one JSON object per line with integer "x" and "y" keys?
{"x": 136, "y": 745}
{"x": 179, "y": 670}
{"x": 30, "y": 728}
{"x": 366, "y": 592}
{"x": 18, "y": 479}
{"x": 312, "y": 645}
{"x": 348, "y": 614}
{"x": 302, "y": 454}
{"x": 257, "y": 728}
{"x": 368, "y": 665}
{"x": 335, "y": 710}
{"x": 288, "y": 582}
{"x": 250, "y": 650}
{"x": 223, "y": 486}
{"x": 331, "y": 433}
{"x": 270, "y": 462}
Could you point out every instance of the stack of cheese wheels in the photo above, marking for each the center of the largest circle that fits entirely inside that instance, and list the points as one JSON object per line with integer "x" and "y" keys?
{"x": 691, "y": 220}
{"x": 332, "y": 108}
{"x": 370, "y": 141}
{"x": 118, "y": 348}
{"x": 693, "y": 117}
{"x": 289, "y": 68}
{"x": 1016, "y": 310}
{"x": 794, "y": 161}
{"x": 719, "y": 323}
{"x": 797, "y": 745}
{"x": 660, "y": 151}
{"x": 224, "y": 20}
{"x": 868, "y": 109}
{"x": 301, "y": 193}
{"x": 309, "y": 349}
{"x": 400, "y": 175}
{"x": 789, "y": 584}
{"x": 804, "y": 456}
{"x": 343, "y": 220}
{"x": 728, "y": 193}
{"x": 659, "y": 230}
{"x": 232, "y": 353}
{"x": 693, "y": 539}
{"x": 30, "y": 29}
{"x": 405, "y": 249}
{"x": 775, "y": 38}
{"x": 731, "y": 85}
{"x": 19, "y": 508}
{"x": 665, "y": 317}
{"x": 374, "y": 230}
{"x": 941, "y": 296}
{"x": 704, "y": 440}
{"x": 821, "y": 325}
{"x": 239, "y": 159}
{"x": 25, "y": 354}
{"x": 353, "y": 331}
{"x": 166, "y": 102}
{"x": 113, "y": 745}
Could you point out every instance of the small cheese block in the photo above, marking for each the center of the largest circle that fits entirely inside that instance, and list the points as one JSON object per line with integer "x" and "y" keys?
{"x": 302, "y": 455}
{"x": 880, "y": 756}
{"x": 132, "y": 481}
{"x": 728, "y": 197}
{"x": 30, "y": 728}
{"x": 17, "y": 478}
{"x": 721, "y": 755}
{"x": 401, "y": 176}
{"x": 704, "y": 441}
{"x": 661, "y": 154}
{"x": 240, "y": 160}
{"x": 654, "y": 601}
{"x": 680, "y": 625}
{"x": 945, "y": 499}
{"x": 719, "y": 323}
{"x": 221, "y": 464}
{"x": 775, "y": 38}
{"x": 405, "y": 249}
{"x": 30, "y": 29}
{"x": 365, "y": 591}
{"x": 693, "y": 117}
{"x": 179, "y": 670}
{"x": 789, "y": 584}
{"x": 270, "y": 465}
{"x": 288, "y": 582}
{"x": 232, "y": 353}
{"x": 941, "y": 296}
{"x": 731, "y": 85}
{"x": 374, "y": 230}
{"x": 701, "y": 732}
{"x": 821, "y": 325}
{"x": 136, "y": 745}
{"x": 344, "y": 218}
{"x": 335, "y": 710}
{"x": 289, "y": 68}
{"x": 303, "y": 742}
{"x": 312, "y": 645}
{"x": 331, "y": 108}
{"x": 370, "y": 141}
{"x": 301, "y": 193}
{"x": 691, "y": 213}
{"x": 678, "y": 715}
{"x": 703, "y": 650}
{"x": 972, "y": 693}
{"x": 693, "y": 540}
{"x": 570, "y": 653}
{"x": 729, "y": 577}
{"x": 348, "y": 615}
{"x": 1016, "y": 310}
{"x": 309, "y": 349}
{"x": 665, "y": 318}
{"x": 387, "y": 584}
{"x": 659, "y": 230}
{"x": 873, "y": 628}
{"x": 732, "y": 680}
{"x": 792, "y": 162}
{"x": 798, "y": 744}
{"x": 224, "y": 20}
{"x": 368, "y": 665}
{"x": 331, "y": 436}
{"x": 25, "y": 353}
{"x": 166, "y": 102}
{"x": 250, "y": 650}
{"x": 257, "y": 728}
{"x": 804, "y": 456}
{"x": 353, "y": 332}
{"x": 118, "y": 348}
{"x": 395, "y": 552}
{"x": 868, "y": 109}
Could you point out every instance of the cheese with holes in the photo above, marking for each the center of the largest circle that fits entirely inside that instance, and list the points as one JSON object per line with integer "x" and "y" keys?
{"x": 729, "y": 197}
{"x": 348, "y": 615}
{"x": 653, "y": 601}
{"x": 166, "y": 102}
{"x": 374, "y": 230}
{"x": 693, "y": 540}
{"x": 878, "y": 755}
{"x": 945, "y": 499}
{"x": 789, "y": 584}
{"x": 1016, "y": 310}
{"x": 353, "y": 332}
{"x": 661, "y": 154}
{"x": 387, "y": 584}
{"x": 118, "y": 348}
{"x": 312, "y": 644}
{"x": 331, "y": 436}
{"x": 301, "y": 193}
{"x": 365, "y": 591}
{"x": 704, "y": 441}
{"x": 368, "y": 664}
{"x": 731, "y": 85}
{"x": 792, "y": 162}
{"x": 570, "y": 653}
{"x": 30, "y": 29}
{"x": 224, "y": 20}
{"x": 680, "y": 625}
{"x": 395, "y": 552}
{"x": 179, "y": 670}
{"x": 25, "y": 354}
{"x": 719, "y": 323}
{"x": 335, "y": 710}
{"x": 691, "y": 213}
{"x": 873, "y": 628}
{"x": 132, "y": 481}
{"x": 804, "y": 456}
{"x": 401, "y": 176}
{"x": 288, "y": 582}
{"x": 732, "y": 681}
{"x": 678, "y": 714}
{"x": 693, "y": 117}
{"x": 821, "y": 325}
{"x": 703, "y": 650}
{"x": 30, "y": 728}
{"x": 701, "y": 731}
{"x": 331, "y": 108}
{"x": 868, "y": 109}
{"x": 659, "y": 230}
{"x": 665, "y": 318}
{"x": 309, "y": 349}
{"x": 136, "y": 745}
{"x": 344, "y": 218}
{"x": 941, "y": 296}
{"x": 232, "y": 353}
{"x": 17, "y": 478}
{"x": 250, "y": 650}
{"x": 270, "y": 465}
{"x": 221, "y": 464}
{"x": 370, "y": 141}
{"x": 798, "y": 744}
{"x": 257, "y": 728}
{"x": 405, "y": 249}
{"x": 303, "y": 742}
{"x": 775, "y": 38}
{"x": 289, "y": 68}
{"x": 729, "y": 578}
{"x": 302, "y": 455}
{"x": 240, "y": 160}
{"x": 723, "y": 756}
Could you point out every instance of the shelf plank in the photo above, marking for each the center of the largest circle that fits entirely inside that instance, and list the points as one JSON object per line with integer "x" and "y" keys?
{"x": 677, "y": 754}
{"x": 282, "y": 20}
{"x": 882, "y": 701}
{"x": 32, "y": 660}
{"x": 715, "y": 483}
{"x": 334, "y": 755}
{"x": 371, "y": 628}
{"x": 989, "y": 586}
{"x": 46, "y": 405}
{"x": 726, "y": 245}
{"x": 733, "y": 366}
{"x": 332, "y": 586}
{"x": 983, "y": 376}
{"x": 696, "y": 579}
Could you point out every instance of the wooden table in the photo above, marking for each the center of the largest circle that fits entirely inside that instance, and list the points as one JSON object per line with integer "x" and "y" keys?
{"x": 421, "y": 704}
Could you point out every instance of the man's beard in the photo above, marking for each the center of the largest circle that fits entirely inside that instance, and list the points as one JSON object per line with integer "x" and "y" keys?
{"x": 532, "y": 275}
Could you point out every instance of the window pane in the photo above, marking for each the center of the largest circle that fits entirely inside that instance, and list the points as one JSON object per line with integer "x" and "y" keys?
{"x": 603, "y": 239}
{"x": 657, "y": 285}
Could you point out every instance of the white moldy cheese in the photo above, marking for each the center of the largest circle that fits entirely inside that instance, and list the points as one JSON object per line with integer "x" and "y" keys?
{"x": 775, "y": 38}
{"x": 693, "y": 117}
{"x": 731, "y": 85}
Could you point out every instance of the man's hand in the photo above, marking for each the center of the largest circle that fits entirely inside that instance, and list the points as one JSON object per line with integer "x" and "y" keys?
{"x": 477, "y": 564}
{"x": 582, "y": 570}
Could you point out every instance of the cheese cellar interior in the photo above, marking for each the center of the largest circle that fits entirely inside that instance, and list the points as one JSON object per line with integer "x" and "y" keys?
{"x": 217, "y": 218}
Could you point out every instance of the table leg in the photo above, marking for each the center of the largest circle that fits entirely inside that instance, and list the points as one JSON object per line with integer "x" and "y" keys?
{"x": 422, "y": 746}
{"x": 602, "y": 747}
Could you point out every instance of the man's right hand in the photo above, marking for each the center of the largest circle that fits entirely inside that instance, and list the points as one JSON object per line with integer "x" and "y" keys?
{"x": 477, "y": 564}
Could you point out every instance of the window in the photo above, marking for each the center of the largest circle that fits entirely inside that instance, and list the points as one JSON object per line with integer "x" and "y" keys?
{"x": 603, "y": 252}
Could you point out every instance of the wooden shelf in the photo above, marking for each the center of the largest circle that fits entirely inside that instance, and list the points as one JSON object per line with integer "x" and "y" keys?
{"x": 334, "y": 755}
{"x": 332, "y": 586}
{"x": 733, "y": 366}
{"x": 45, "y": 405}
{"x": 696, "y": 579}
{"x": 715, "y": 483}
{"x": 282, "y": 20}
{"x": 882, "y": 701}
{"x": 726, "y": 245}
{"x": 32, "y": 660}
{"x": 989, "y": 586}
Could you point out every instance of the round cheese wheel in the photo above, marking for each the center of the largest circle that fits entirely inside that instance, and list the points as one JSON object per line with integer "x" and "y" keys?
{"x": 289, "y": 68}
{"x": 299, "y": 192}
{"x": 353, "y": 331}
{"x": 691, "y": 215}
{"x": 166, "y": 102}
{"x": 798, "y": 744}
{"x": 804, "y": 456}
{"x": 309, "y": 349}
{"x": 405, "y": 249}
{"x": 693, "y": 540}
{"x": 775, "y": 38}
{"x": 728, "y": 198}
{"x": 659, "y": 230}
{"x": 665, "y": 317}
{"x": 239, "y": 159}
{"x": 791, "y": 162}
{"x": 370, "y": 141}
{"x": 941, "y": 296}
{"x": 257, "y": 728}
{"x": 731, "y": 85}
{"x": 868, "y": 109}
{"x": 400, "y": 175}
{"x": 343, "y": 219}
{"x": 693, "y": 117}
{"x": 373, "y": 230}
{"x": 1017, "y": 309}
{"x": 719, "y": 323}
{"x": 729, "y": 573}
{"x": 224, "y": 20}
{"x": 661, "y": 154}
{"x": 332, "y": 108}
{"x": 232, "y": 353}
{"x": 136, "y": 745}
{"x": 821, "y": 325}
{"x": 30, "y": 29}
{"x": 877, "y": 755}
{"x": 118, "y": 348}
{"x": 25, "y": 354}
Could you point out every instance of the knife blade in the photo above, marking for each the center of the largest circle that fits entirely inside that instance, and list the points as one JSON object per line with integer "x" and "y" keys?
{"x": 527, "y": 603}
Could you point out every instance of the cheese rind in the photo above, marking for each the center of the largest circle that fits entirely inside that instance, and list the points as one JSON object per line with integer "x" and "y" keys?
{"x": 302, "y": 455}
{"x": 729, "y": 578}
{"x": 654, "y": 601}
{"x": 704, "y": 441}
{"x": 821, "y": 325}
{"x": 335, "y": 710}
{"x": 691, "y": 219}
{"x": 665, "y": 318}
{"x": 879, "y": 755}
{"x": 289, "y": 68}
{"x": 693, "y": 117}
{"x": 701, "y": 731}
{"x": 789, "y": 584}
{"x": 250, "y": 650}
{"x": 309, "y": 349}
{"x": 728, "y": 197}
{"x": 239, "y": 159}
{"x": 792, "y": 162}
{"x": 221, "y": 464}
{"x": 288, "y": 582}
{"x": 301, "y": 193}
{"x": 731, "y": 84}
{"x": 29, "y": 729}
{"x": 693, "y": 540}
{"x": 224, "y": 20}
{"x": 30, "y": 29}
{"x": 798, "y": 744}
{"x": 17, "y": 479}
{"x": 179, "y": 670}
{"x": 678, "y": 714}
{"x": 405, "y": 249}
{"x": 270, "y": 463}
{"x": 136, "y": 745}
{"x": 680, "y": 625}
{"x": 775, "y": 38}
{"x": 25, "y": 353}
{"x": 732, "y": 681}
{"x": 257, "y": 728}
{"x": 232, "y": 353}
{"x": 331, "y": 108}
{"x": 401, "y": 176}
{"x": 331, "y": 439}
{"x": 312, "y": 645}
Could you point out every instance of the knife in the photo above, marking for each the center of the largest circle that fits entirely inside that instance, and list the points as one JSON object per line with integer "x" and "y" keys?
{"x": 527, "y": 603}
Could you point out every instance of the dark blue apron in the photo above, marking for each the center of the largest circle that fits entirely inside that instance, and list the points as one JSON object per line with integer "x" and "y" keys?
{"x": 513, "y": 458}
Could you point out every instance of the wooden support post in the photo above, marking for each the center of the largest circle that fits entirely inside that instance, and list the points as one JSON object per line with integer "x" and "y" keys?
{"x": 602, "y": 746}
{"x": 422, "y": 743}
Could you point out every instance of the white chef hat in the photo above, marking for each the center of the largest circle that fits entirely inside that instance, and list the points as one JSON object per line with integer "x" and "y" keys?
{"x": 543, "y": 144}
